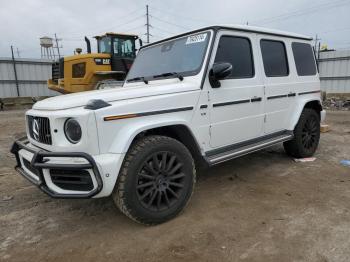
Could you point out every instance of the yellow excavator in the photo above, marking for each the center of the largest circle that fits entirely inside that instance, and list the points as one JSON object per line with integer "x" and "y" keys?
{"x": 108, "y": 67}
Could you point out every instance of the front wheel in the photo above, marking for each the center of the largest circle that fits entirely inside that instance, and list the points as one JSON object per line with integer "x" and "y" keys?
{"x": 306, "y": 135}
{"x": 156, "y": 180}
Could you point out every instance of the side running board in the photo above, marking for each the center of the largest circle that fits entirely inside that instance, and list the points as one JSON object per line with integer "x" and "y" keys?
{"x": 235, "y": 152}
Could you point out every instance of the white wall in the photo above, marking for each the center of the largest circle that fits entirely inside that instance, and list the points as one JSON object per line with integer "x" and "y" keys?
{"x": 334, "y": 69}
{"x": 32, "y": 75}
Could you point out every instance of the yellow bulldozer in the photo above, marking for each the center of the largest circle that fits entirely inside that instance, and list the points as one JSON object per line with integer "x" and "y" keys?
{"x": 108, "y": 67}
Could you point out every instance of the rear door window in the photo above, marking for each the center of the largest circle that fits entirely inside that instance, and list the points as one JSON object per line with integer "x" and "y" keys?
{"x": 304, "y": 59}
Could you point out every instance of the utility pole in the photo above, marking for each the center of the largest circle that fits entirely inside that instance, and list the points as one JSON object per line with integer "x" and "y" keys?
{"x": 57, "y": 46}
{"x": 15, "y": 70}
{"x": 316, "y": 43}
{"x": 147, "y": 24}
{"x": 317, "y": 49}
{"x": 18, "y": 53}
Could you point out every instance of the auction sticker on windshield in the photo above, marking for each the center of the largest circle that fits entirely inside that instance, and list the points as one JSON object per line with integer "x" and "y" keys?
{"x": 196, "y": 39}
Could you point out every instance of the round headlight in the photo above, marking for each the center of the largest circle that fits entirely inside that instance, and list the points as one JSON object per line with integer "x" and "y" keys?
{"x": 72, "y": 130}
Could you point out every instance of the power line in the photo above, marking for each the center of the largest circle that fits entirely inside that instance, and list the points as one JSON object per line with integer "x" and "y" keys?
{"x": 301, "y": 12}
{"x": 105, "y": 29}
{"x": 336, "y": 30}
{"x": 122, "y": 24}
{"x": 97, "y": 28}
{"x": 163, "y": 30}
{"x": 176, "y": 25}
{"x": 133, "y": 28}
{"x": 181, "y": 16}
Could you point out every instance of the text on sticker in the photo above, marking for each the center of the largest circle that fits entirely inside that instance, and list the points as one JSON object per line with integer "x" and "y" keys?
{"x": 196, "y": 39}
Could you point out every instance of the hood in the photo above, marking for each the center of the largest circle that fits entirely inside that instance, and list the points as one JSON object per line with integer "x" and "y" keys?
{"x": 132, "y": 91}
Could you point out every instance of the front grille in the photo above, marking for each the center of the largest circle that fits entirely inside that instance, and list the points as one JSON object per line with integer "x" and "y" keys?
{"x": 77, "y": 180}
{"x": 58, "y": 70}
{"x": 39, "y": 129}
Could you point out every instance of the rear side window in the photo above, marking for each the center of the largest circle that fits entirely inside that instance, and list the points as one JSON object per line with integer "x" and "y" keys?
{"x": 304, "y": 59}
{"x": 275, "y": 58}
{"x": 238, "y": 52}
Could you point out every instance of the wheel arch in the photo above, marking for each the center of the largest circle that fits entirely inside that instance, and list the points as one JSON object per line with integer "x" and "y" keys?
{"x": 176, "y": 130}
{"x": 311, "y": 103}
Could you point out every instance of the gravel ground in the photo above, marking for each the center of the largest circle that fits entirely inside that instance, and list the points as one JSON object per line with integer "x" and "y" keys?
{"x": 261, "y": 207}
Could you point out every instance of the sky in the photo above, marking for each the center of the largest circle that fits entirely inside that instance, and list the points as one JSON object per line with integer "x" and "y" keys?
{"x": 23, "y": 22}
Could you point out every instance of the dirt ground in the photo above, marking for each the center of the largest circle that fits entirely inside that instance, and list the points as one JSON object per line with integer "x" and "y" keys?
{"x": 261, "y": 207}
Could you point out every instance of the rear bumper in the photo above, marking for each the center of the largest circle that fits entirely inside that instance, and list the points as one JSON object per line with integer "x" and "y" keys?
{"x": 76, "y": 174}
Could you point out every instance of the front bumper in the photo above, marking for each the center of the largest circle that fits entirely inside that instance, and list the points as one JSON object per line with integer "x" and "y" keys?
{"x": 37, "y": 165}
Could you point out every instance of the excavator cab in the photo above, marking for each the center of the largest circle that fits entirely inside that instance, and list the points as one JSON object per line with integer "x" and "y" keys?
{"x": 106, "y": 68}
{"x": 122, "y": 49}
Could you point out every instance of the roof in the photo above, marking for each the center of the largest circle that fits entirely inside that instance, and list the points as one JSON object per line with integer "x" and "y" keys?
{"x": 242, "y": 28}
{"x": 118, "y": 34}
{"x": 264, "y": 30}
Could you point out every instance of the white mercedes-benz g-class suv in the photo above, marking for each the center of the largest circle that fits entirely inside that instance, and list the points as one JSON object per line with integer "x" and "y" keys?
{"x": 199, "y": 98}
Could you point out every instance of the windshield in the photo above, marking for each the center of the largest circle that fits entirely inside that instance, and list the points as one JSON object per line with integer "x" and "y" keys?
{"x": 124, "y": 47}
{"x": 183, "y": 56}
{"x": 104, "y": 45}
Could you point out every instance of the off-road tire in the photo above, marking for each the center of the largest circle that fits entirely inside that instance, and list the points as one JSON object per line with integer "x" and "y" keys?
{"x": 126, "y": 194}
{"x": 306, "y": 135}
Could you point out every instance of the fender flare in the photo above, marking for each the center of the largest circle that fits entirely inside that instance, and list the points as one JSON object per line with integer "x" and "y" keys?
{"x": 299, "y": 108}
{"x": 134, "y": 129}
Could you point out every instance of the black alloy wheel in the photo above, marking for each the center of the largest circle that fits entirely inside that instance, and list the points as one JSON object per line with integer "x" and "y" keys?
{"x": 160, "y": 181}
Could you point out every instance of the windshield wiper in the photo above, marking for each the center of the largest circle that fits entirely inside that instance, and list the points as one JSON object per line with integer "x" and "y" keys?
{"x": 170, "y": 74}
{"x": 142, "y": 78}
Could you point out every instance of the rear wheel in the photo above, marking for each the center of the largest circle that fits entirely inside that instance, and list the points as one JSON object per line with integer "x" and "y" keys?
{"x": 306, "y": 135}
{"x": 156, "y": 180}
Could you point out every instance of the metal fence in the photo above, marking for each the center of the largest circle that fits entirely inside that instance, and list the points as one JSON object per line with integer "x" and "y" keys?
{"x": 32, "y": 75}
{"x": 27, "y": 79}
{"x": 334, "y": 69}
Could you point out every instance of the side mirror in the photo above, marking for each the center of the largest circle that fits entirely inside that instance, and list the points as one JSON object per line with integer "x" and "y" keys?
{"x": 219, "y": 71}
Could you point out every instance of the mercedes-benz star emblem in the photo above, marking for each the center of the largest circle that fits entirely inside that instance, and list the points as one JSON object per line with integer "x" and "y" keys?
{"x": 35, "y": 128}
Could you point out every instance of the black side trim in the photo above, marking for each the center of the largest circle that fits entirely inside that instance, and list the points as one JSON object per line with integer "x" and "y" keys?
{"x": 246, "y": 143}
{"x": 276, "y": 97}
{"x": 165, "y": 111}
{"x": 159, "y": 112}
{"x": 256, "y": 99}
{"x": 203, "y": 106}
{"x": 232, "y": 103}
{"x": 335, "y": 77}
{"x": 292, "y": 94}
{"x": 310, "y": 92}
